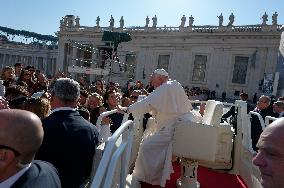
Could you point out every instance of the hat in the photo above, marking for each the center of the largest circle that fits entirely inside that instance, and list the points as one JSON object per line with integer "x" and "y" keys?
{"x": 161, "y": 72}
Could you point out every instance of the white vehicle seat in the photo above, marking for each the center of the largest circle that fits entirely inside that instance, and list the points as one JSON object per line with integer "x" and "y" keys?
{"x": 213, "y": 113}
{"x": 209, "y": 143}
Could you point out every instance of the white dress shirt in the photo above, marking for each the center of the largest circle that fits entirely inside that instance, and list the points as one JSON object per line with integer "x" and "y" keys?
{"x": 11, "y": 180}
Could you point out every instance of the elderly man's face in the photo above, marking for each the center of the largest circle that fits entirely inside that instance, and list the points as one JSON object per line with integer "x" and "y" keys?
{"x": 262, "y": 103}
{"x": 270, "y": 157}
{"x": 155, "y": 80}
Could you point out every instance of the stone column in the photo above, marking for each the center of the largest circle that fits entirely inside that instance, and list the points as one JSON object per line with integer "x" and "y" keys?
{"x": 52, "y": 67}
{"x": 73, "y": 61}
{"x": 61, "y": 55}
{"x": 10, "y": 59}
{"x": 44, "y": 65}
{"x": 4, "y": 61}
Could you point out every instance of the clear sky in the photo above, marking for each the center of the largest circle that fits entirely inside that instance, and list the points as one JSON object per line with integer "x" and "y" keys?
{"x": 43, "y": 16}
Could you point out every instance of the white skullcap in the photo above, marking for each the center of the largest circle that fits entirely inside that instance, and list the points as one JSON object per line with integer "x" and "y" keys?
{"x": 161, "y": 72}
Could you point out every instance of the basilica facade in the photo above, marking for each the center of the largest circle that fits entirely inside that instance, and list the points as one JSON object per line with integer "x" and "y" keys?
{"x": 225, "y": 57}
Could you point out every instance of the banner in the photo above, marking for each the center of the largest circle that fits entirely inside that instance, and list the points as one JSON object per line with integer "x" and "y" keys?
{"x": 87, "y": 70}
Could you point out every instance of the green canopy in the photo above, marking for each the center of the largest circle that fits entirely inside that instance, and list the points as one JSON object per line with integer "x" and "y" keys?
{"x": 116, "y": 37}
{"x": 28, "y": 34}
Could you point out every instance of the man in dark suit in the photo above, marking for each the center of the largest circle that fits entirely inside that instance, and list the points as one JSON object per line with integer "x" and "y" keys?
{"x": 232, "y": 113}
{"x": 21, "y": 135}
{"x": 69, "y": 140}
{"x": 264, "y": 108}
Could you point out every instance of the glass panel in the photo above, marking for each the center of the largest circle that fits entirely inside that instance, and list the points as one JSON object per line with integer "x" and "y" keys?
{"x": 163, "y": 62}
{"x": 129, "y": 65}
{"x": 240, "y": 70}
{"x": 199, "y": 68}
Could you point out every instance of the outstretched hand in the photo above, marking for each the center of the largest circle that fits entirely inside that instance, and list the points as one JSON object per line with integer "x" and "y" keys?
{"x": 121, "y": 109}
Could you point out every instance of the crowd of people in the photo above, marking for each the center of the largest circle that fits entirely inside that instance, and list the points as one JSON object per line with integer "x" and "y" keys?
{"x": 67, "y": 110}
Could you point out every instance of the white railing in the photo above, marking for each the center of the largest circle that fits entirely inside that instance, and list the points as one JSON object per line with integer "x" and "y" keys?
{"x": 263, "y": 125}
{"x": 269, "y": 119}
{"x": 103, "y": 136}
{"x": 118, "y": 148}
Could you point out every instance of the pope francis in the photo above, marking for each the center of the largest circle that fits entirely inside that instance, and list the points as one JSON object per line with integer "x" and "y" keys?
{"x": 166, "y": 103}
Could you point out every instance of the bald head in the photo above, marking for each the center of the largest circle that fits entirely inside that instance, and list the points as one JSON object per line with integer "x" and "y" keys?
{"x": 22, "y": 131}
{"x": 270, "y": 156}
{"x": 275, "y": 132}
{"x": 275, "y": 128}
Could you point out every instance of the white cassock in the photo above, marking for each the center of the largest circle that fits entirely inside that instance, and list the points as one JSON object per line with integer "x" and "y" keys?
{"x": 167, "y": 102}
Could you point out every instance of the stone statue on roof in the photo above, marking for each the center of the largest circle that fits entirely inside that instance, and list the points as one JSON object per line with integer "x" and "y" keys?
{"x": 264, "y": 19}
{"x": 154, "y": 19}
{"x": 191, "y": 20}
{"x": 77, "y": 21}
{"x": 98, "y": 21}
{"x": 65, "y": 20}
{"x": 62, "y": 22}
{"x": 231, "y": 19}
{"x": 274, "y": 18}
{"x": 111, "y": 21}
{"x": 121, "y": 22}
{"x": 220, "y": 20}
{"x": 183, "y": 20}
{"x": 147, "y": 21}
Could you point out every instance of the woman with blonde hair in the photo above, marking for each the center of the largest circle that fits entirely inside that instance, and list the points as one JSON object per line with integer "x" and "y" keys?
{"x": 93, "y": 104}
{"x": 39, "y": 106}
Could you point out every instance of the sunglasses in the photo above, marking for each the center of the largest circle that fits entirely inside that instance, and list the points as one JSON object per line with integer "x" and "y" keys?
{"x": 9, "y": 148}
{"x": 134, "y": 97}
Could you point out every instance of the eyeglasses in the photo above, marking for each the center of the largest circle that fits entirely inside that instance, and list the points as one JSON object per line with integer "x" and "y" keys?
{"x": 134, "y": 97}
{"x": 27, "y": 74}
{"x": 9, "y": 148}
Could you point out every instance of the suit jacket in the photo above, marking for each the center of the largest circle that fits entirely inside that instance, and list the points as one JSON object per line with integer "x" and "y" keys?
{"x": 256, "y": 128}
{"x": 40, "y": 174}
{"x": 69, "y": 144}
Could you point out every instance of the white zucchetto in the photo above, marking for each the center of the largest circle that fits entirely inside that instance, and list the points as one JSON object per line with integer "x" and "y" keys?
{"x": 162, "y": 72}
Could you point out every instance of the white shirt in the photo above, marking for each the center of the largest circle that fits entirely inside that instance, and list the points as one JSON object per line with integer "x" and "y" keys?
{"x": 11, "y": 180}
{"x": 61, "y": 108}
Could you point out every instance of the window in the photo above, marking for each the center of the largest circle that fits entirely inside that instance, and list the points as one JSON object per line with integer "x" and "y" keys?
{"x": 240, "y": 70}
{"x": 199, "y": 68}
{"x": 129, "y": 66}
{"x": 163, "y": 62}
